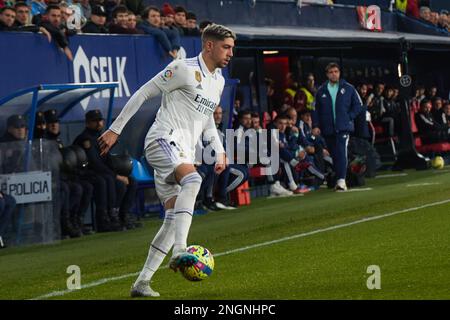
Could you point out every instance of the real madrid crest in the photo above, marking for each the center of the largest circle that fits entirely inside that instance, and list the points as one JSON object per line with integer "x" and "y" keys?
{"x": 198, "y": 76}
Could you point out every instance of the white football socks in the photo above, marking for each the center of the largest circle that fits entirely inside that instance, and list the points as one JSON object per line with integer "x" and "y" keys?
{"x": 160, "y": 246}
{"x": 184, "y": 208}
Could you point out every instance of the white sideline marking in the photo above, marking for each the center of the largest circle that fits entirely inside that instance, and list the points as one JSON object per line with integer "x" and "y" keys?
{"x": 358, "y": 189}
{"x": 440, "y": 171}
{"x": 422, "y": 184}
{"x": 253, "y": 246}
{"x": 392, "y": 175}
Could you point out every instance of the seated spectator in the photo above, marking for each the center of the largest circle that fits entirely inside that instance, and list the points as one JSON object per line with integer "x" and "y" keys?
{"x": 437, "y": 104}
{"x": 446, "y": 109}
{"x": 7, "y": 19}
{"x": 425, "y": 14}
{"x": 97, "y": 22}
{"x": 191, "y": 25}
{"x": 72, "y": 17}
{"x": 120, "y": 22}
{"x": 168, "y": 15}
{"x": 52, "y": 23}
{"x": 151, "y": 24}
{"x": 375, "y": 102}
{"x": 180, "y": 20}
{"x": 132, "y": 21}
{"x": 304, "y": 97}
{"x": 289, "y": 93}
{"x": 256, "y": 122}
{"x": 7, "y": 206}
{"x": 441, "y": 114}
{"x": 23, "y": 17}
{"x": 432, "y": 92}
{"x": 429, "y": 130}
{"x": 293, "y": 158}
{"x": 443, "y": 22}
{"x": 390, "y": 112}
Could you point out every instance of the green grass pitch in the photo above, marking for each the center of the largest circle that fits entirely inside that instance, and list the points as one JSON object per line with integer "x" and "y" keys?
{"x": 282, "y": 248}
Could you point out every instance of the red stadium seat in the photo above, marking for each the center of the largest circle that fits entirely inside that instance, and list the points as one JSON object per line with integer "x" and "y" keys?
{"x": 425, "y": 148}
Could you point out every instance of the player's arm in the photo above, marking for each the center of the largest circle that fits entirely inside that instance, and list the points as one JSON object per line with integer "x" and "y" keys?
{"x": 167, "y": 80}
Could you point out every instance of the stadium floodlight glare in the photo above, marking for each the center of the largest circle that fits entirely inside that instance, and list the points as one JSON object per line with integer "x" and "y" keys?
{"x": 270, "y": 52}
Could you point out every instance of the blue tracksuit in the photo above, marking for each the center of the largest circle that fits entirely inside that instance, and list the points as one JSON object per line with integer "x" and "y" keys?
{"x": 336, "y": 131}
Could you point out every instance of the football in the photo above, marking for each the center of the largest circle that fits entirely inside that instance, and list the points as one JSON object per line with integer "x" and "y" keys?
{"x": 437, "y": 162}
{"x": 204, "y": 266}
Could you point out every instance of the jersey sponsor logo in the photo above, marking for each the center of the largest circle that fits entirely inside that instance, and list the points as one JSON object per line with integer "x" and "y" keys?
{"x": 205, "y": 105}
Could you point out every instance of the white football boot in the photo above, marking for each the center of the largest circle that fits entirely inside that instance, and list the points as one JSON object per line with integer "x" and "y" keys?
{"x": 142, "y": 289}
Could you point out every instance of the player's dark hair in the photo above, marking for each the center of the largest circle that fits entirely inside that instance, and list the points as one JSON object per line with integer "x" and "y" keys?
{"x": 255, "y": 115}
{"x": 217, "y": 32}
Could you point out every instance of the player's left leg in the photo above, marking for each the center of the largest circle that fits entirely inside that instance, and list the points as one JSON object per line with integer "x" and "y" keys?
{"x": 160, "y": 246}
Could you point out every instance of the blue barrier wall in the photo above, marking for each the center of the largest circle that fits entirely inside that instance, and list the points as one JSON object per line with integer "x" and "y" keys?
{"x": 27, "y": 59}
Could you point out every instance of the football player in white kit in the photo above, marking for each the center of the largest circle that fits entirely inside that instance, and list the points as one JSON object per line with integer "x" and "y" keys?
{"x": 191, "y": 90}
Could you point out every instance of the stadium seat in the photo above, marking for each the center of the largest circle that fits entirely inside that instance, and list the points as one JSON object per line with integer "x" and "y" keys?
{"x": 144, "y": 178}
{"x": 438, "y": 147}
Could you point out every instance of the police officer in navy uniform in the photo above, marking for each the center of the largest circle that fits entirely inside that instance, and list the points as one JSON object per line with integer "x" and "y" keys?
{"x": 76, "y": 192}
{"x": 337, "y": 106}
{"x": 12, "y": 144}
{"x": 119, "y": 189}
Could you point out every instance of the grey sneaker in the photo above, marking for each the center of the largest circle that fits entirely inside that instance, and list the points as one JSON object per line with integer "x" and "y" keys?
{"x": 142, "y": 289}
{"x": 181, "y": 260}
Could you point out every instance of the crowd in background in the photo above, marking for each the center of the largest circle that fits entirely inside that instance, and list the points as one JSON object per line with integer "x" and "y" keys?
{"x": 58, "y": 20}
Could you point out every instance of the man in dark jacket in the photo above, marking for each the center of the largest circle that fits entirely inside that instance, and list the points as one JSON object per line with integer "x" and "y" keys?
{"x": 96, "y": 23}
{"x": 429, "y": 129}
{"x": 337, "y": 105}
{"x": 52, "y": 22}
{"x": 120, "y": 190}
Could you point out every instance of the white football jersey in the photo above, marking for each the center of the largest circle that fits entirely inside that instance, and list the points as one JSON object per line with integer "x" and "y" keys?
{"x": 190, "y": 94}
